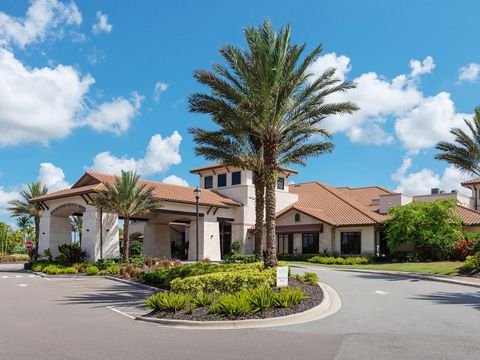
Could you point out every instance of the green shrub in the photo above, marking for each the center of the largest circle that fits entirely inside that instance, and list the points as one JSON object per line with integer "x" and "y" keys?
{"x": 103, "y": 273}
{"x": 71, "y": 254}
{"x": 236, "y": 246}
{"x": 295, "y": 257}
{"x": 472, "y": 262}
{"x": 328, "y": 260}
{"x": 309, "y": 278}
{"x": 203, "y": 299}
{"x": 39, "y": 265}
{"x": 262, "y": 298}
{"x": 232, "y": 304}
{"x": 112, "y": 269}
{"x": 225, "y": 282}
{"x": 136, "y": 248}
{"x": 239, "y": 258}
{"x": 288, "y": 297}
{"x": 91, "y": 270}
{"x": 57, "y": 270}
{"x": 169, "y": 301}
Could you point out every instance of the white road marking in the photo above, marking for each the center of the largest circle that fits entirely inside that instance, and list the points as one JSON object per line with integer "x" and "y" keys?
{"x": 381, "y": 292}
{"x": 4, "y": 277}
{"x": 31, "y": 276}
{"x": 121, "y": 312}
{"x": 18, "y": 276}
{"x": 22, "y": 285}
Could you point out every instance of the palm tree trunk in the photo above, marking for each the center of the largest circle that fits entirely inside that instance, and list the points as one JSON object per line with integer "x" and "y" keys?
{"x": 126, "y": 240}
{"x": 271, "y": 156}
{"x": 37, "y": 236}
{"x": 259, "y": 183}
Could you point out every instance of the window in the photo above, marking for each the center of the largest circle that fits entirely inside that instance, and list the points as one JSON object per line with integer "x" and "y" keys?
{"x": 310, "y": 243}
{"x": 285, "y": 243}
{"x": 236, "y": 178}
{"x": 297, "y": 217}
{"x": 208, "y": 182}
{"x": 351, "y": 243}
{"x": 280, "y": 183}
{"x": 222, "y": 180}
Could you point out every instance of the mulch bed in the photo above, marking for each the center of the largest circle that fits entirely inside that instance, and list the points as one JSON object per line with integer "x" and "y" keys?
{"x": 314, "y": 293}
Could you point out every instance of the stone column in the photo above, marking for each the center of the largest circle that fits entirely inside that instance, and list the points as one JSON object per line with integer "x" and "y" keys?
{"x": 156, "y": 240}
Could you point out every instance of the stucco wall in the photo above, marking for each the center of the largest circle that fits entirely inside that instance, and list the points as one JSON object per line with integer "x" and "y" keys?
{"x": 368, "y": 238}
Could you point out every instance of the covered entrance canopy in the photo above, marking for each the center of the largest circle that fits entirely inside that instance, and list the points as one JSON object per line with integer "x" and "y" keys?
{"x": 100, "y": 230}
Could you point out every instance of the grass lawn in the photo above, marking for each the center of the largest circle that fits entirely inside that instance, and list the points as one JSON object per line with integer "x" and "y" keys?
{"x": 439, "y": 267}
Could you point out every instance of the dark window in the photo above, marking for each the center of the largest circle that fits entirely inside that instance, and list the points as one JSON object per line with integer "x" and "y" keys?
{"x": 281, "y": 183}
{"x": 351, "y": 243}
{"x": 236, "y": 178}
{"x": 285, "y": 244}
{"x": 208, "y": 182}
{"x": 297, "y": 217}
{"x": 310, "y": 243}
{"x": 222, "y": 180}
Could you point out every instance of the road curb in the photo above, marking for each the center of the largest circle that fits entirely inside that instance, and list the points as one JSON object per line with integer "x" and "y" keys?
{"x": 331, "y": 304}
{"x": 419, "y": 276}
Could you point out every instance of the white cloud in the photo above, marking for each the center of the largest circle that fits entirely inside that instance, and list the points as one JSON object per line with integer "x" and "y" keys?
{"x": 160, "y": 155}
{"x": 5, "y": 197}
{"x": 44, "y": 104}
{"x": 331, "y": 60}
{"x": 420, "y": 121}
{"x": 40, "y": 21}
{"x": 159, "y": 88}
{"x": 52, "y": 177}
{"x": 39, "y": 104}
{"x": 102, "y": 23}
{"x": 421, "y": 182}
{"x": 469, "y": 72}
{"x": 115, "y": 116}
{"x": 428, "y": 123}
{"x": 421, "y": 67}
{"x": 175, "y": 180}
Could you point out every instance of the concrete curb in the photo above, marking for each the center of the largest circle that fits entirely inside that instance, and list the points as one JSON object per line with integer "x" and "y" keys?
{"x": 331, "y": 304}
{"x": 413, "y": 275}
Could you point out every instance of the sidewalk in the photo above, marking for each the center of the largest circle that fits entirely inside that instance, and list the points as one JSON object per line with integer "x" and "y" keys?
{"x": 459, "y": 280}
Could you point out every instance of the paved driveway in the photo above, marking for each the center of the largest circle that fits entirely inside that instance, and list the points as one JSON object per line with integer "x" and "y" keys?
{"x": 382, "y": 317}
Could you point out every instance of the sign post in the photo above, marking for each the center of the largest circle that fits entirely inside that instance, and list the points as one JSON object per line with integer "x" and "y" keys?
{"x": 282, "y": 276}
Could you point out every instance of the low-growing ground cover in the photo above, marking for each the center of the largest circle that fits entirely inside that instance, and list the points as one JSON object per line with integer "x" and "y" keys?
{"x": 14, "y": 257}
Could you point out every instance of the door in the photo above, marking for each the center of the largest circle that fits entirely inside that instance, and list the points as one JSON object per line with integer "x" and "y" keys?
{"x": 225, "y": 238}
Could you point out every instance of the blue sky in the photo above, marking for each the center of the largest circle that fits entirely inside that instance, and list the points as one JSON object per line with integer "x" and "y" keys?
{"x": 79, "y": 78}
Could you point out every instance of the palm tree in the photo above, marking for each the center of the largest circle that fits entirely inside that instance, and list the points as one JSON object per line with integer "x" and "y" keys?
{"x": 24, "y": 207}
{"x": 464, "y": 152}
{"x": 77, "y": 226}
{"x": 269, "y": 94}
{"x": 236, "y": 150}
{"x": 128, "y": 198}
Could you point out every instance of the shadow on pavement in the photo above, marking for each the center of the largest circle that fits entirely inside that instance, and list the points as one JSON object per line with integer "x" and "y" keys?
{"x": 373, "y": 276}
{"x": 445, "y": 298}
{"x": 115, "y": 295}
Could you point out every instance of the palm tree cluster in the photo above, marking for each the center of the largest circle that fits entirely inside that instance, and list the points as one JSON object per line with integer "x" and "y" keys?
{"x": 268, "y": 107}
{"x": 23, "y": 207}
{"x": 464, "y": 152}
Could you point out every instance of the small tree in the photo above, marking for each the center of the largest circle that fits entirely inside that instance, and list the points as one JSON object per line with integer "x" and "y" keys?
{"x": 432, "y": 228}
{"x": 127, "y": 197}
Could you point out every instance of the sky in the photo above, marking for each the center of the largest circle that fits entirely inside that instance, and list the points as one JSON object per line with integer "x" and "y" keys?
{"x": 103, "y": 85}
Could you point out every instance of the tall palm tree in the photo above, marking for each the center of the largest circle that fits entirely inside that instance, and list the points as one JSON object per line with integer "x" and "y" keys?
{"x": 77, "y": 226}
{"x": 33, "y": 210}
{"x": 269, "y": 94}
{"x": 464, "y": 152}
{"x": 127, "y": 197}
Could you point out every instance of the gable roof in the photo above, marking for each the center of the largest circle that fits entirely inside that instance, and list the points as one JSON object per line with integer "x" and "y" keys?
{"x": 219, "y": 165}
{"x": 367, "y": 196}
{"x": 92, "y": 182}
{"x": 331, "y": 205}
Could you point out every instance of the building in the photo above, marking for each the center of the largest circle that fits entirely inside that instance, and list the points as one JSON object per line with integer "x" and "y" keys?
{"x": 311, "y": 217}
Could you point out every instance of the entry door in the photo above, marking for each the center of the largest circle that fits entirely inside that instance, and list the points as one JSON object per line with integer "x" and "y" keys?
{"x": 225, "y": 238}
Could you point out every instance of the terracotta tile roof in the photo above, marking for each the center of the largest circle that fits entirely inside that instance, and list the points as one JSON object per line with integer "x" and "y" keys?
{"x": 93, "y": 181}
{"x": 471, "y": 182}
{"x": 219, "y": 165}
{"x": 298, "y": 228}
{"x": 470, "y": 217}
{"x": 333, "y": 206}
{"x": 366, "y": 195}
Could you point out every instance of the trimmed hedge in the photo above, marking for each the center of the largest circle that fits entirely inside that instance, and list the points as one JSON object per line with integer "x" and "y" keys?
{"x": 56, "y": 270}
{"x": 327, "y": 260}
{"x": 296, "y": 257}
{"x": 225, "y": 282}
{"x": 239, "y": 258}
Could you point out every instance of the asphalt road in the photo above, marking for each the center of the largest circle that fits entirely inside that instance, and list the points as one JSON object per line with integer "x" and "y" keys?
{"x": 382, "y": 317}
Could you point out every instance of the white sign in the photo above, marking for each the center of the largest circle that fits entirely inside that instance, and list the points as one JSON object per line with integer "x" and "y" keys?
{"x": 282, "y": 276}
